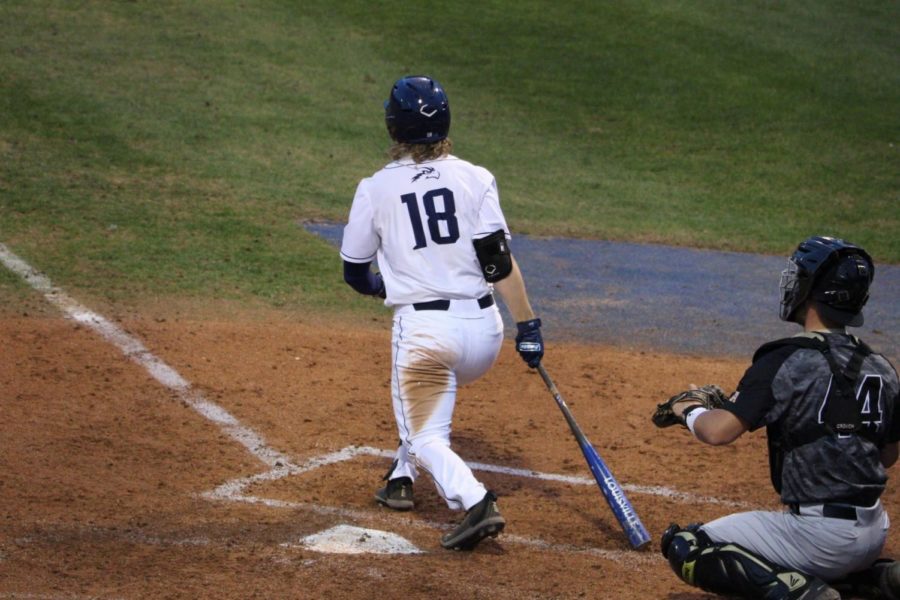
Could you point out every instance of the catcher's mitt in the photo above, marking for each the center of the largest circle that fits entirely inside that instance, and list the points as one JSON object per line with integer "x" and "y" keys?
{"x": 708, "y": 396}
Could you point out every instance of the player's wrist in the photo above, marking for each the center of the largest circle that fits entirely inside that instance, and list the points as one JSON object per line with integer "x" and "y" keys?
{"x": 690, "y": 416}
{"x": 528, "y": 325}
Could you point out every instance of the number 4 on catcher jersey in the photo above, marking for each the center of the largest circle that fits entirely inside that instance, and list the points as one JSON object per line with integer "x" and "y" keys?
{"x": 868, "y": 401}
{"x": 869, "y": 397}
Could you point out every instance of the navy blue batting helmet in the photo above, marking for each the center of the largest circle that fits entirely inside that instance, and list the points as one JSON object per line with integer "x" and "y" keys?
{"x": 834, "y": 273}
{"x": 417, "y": 111}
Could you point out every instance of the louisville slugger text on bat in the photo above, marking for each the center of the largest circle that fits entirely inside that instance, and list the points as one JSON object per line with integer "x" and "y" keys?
{"x": 612, "y": 491}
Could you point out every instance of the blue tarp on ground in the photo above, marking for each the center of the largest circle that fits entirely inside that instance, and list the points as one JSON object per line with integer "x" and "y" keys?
{"x": 677, "y": 299}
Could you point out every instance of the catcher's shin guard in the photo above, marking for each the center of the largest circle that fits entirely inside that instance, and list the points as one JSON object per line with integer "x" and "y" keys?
{"x": 729, "y": 569}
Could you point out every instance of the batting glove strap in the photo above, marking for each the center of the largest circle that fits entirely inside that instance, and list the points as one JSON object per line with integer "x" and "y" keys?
{"x": 526, "y": 326}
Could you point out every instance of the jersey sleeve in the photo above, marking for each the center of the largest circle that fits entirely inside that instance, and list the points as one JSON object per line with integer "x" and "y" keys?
{"x": 360, "y": 242}
{"x": 490, "y": 216}
{"x": 755, "y": 395}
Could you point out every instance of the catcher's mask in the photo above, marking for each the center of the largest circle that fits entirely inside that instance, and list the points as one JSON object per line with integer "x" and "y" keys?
{"x": 833, "y": 273}
{"x": 417, "y": 111}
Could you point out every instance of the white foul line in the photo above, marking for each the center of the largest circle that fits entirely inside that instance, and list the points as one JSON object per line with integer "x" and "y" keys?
{"x": 281, "y": 466}
{"x": 136, "y": 351}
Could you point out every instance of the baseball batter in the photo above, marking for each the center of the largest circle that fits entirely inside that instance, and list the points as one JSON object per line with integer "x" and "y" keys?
{"x": 830, "y": 408}
{"x": 434, "y": 223}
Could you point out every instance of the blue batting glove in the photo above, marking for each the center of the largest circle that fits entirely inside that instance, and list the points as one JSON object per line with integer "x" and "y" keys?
{"x": 529, "y": 343}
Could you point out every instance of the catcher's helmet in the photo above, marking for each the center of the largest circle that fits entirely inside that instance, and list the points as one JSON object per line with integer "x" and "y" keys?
{"x": 417, "y": 111}
{"x": 833, "y": 273}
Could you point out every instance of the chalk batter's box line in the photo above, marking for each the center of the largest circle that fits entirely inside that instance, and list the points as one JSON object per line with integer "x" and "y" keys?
{"x": 234, "y": 489}
{"x": 281, "y": 466}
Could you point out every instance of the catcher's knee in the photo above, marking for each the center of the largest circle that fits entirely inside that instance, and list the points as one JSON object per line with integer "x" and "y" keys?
{"x": 724, "y": 568}
{"x": 681, "y": 547}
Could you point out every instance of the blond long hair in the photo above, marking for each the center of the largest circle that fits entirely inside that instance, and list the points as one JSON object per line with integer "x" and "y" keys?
{"x": 420, "y": 152}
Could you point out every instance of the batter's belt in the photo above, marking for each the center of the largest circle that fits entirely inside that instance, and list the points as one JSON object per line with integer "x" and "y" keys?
{"x": 483, "y": 302}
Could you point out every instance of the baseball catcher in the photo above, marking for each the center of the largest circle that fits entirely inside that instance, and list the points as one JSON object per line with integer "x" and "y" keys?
{"x": 829, "y": 404}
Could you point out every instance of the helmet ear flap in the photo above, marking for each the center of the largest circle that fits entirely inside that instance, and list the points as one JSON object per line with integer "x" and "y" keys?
{"x": 833, "y": 273}
{"x": 843, "y": 288}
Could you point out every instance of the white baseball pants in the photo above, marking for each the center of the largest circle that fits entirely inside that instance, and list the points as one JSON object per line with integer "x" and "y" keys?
{"x": 434, "y": 352}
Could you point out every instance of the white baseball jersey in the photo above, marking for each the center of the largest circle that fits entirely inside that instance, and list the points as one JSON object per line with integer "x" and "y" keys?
{"x": 419, "y": 220}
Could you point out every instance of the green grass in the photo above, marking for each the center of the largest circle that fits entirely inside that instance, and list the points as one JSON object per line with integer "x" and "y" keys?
{"x": 170, "y": 148}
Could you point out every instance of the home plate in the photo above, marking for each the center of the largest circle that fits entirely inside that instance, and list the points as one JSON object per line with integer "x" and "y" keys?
{"x": 345, "y": 539}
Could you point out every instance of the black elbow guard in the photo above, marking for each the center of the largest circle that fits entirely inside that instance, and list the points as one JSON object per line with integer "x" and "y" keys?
{"x": 493, "y": 255}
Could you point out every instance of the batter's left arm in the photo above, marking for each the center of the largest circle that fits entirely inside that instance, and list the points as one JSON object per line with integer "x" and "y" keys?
{"x": 361, "y": 278}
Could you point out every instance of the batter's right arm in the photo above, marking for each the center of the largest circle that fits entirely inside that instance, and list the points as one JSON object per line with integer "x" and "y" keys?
{"x": 512, "y": 290}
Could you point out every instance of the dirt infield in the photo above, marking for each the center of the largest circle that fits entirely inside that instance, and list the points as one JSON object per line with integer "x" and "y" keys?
{"x": 108, "y": 478}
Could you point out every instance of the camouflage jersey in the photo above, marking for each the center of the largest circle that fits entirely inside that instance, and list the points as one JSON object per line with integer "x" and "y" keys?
{"x": 788, "y": 389}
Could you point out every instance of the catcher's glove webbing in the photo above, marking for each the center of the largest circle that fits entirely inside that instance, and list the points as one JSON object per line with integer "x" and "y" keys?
{"x": 708, "y": 396}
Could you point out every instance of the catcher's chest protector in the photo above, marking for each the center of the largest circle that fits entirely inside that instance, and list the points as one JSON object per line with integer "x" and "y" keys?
{"x": 841, "y": 414}
{"x": 833, "y": 424}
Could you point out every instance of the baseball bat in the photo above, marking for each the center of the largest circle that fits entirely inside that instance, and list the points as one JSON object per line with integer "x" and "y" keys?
{"x": 612, "y": 491}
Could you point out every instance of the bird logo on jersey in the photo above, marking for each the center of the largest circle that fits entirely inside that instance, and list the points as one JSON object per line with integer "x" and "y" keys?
{"x": 427, "y": 173}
